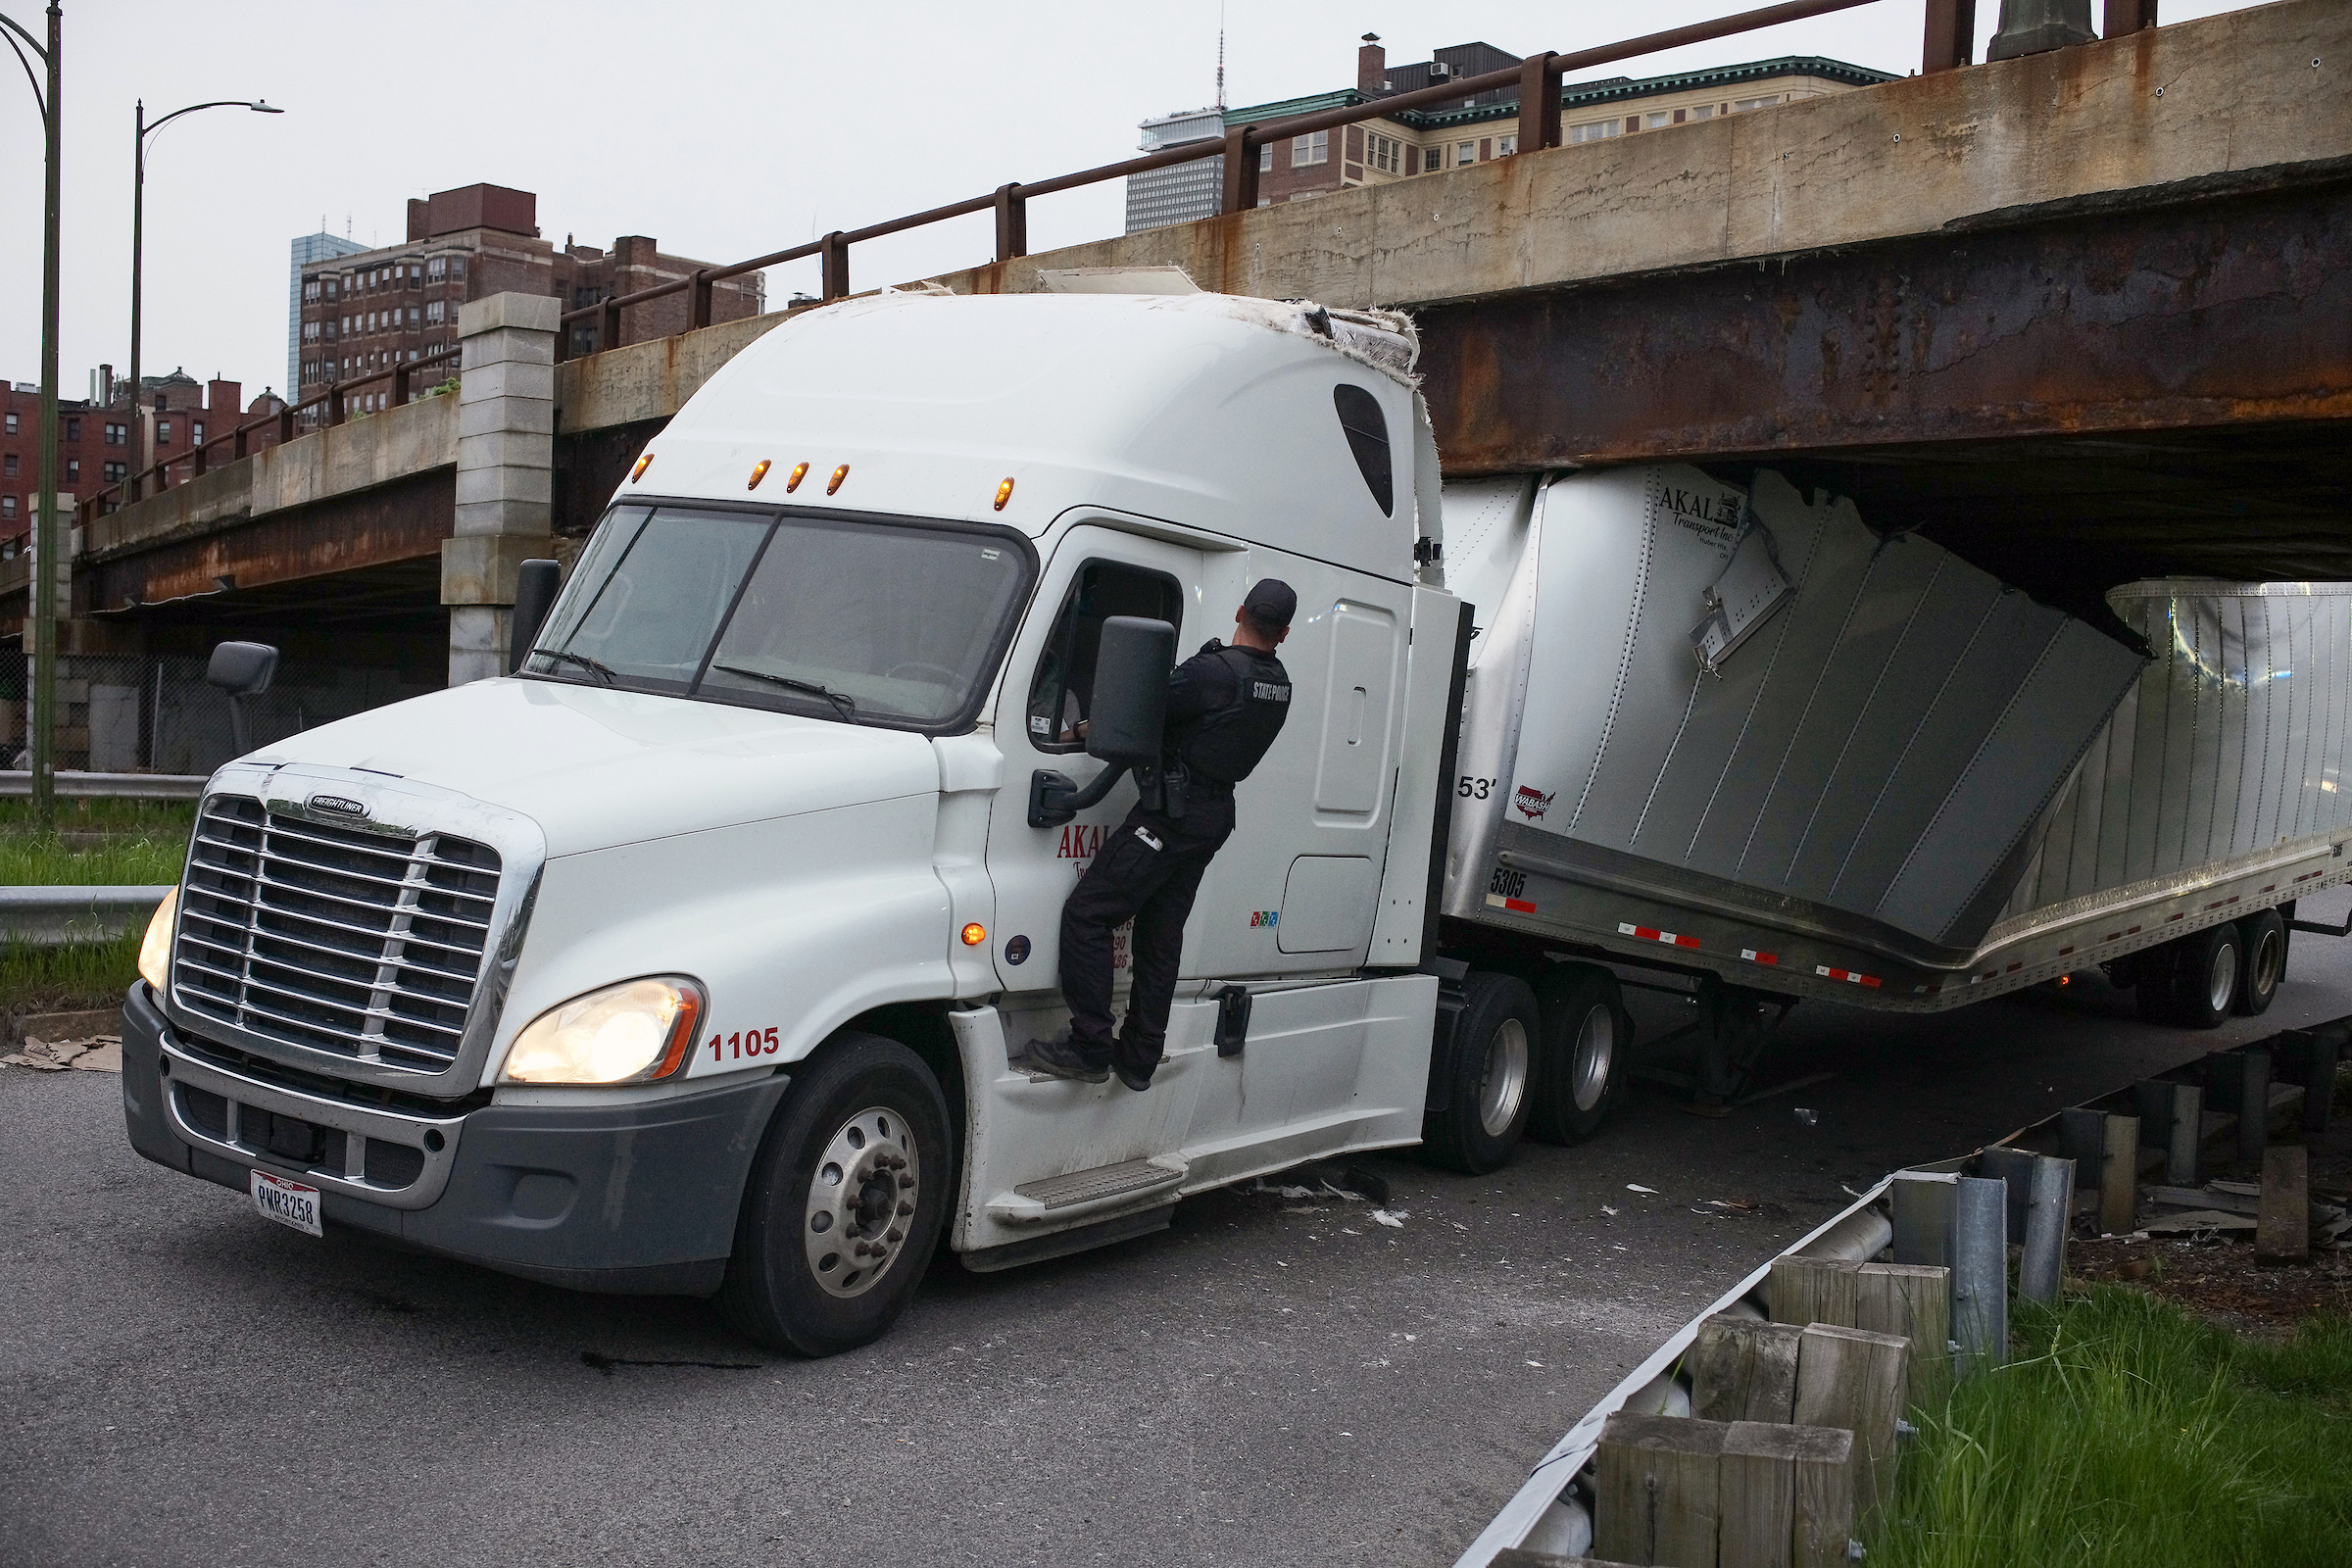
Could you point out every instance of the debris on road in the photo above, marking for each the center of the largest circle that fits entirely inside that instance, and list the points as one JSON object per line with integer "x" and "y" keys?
{"x": 1637, "y": 1187}
{"x": 1806, "y": 1117}
{"x": 97, "y": 1054}
{"x": 1394, "y": 1222}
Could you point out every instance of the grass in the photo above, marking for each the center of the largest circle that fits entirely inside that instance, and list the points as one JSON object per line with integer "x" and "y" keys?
{"x": 90, "y": 974}
{"x": 2127, "y": 1434}
{"x": 94, "y": 844}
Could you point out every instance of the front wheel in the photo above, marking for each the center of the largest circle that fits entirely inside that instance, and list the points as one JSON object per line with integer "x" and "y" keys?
{"x": 846, "y": 1201}
{"x": 1488, "y": 1070}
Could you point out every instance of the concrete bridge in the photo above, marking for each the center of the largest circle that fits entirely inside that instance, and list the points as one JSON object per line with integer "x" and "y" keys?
{"x": 2082, "y": 317}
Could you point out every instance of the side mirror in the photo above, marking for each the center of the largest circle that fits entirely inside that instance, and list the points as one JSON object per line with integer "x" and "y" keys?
{"x": 241, "y": 670}
{"x": 1130, "y": 706}
{"x": 1123, "y": 722}
{"x": 535, "y": 585}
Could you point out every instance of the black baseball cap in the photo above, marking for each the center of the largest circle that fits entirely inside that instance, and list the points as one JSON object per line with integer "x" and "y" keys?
{"x": 1270, "y": 602}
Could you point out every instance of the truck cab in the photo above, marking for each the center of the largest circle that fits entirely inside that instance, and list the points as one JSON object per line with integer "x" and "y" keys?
{"x": 700, "y": 954}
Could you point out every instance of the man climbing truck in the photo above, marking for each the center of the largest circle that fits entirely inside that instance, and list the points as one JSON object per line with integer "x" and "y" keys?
{"x": 707, "y": 953}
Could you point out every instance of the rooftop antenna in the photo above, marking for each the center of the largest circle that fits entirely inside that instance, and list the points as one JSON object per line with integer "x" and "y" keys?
{"x": 1220, "y": 56}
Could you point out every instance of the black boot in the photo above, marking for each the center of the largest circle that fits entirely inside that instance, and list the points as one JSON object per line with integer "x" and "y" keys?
{"x": 1062, "y": 1058}
{"x": 1135, "y": 1057}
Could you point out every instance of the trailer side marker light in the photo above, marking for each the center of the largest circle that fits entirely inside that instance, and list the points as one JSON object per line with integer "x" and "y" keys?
{"x": 1515, "y": 906}
{"x": 2112, "y": 936}
{"x": 1004, "y": 494}
{"x": 2063, "y": 951}
{"x": 1753, "y": 956}
{"x": 2013, "y": 968}
{"x": 759, "y": 472}
{"x": 1646, "y": 933}
{"x": 1846, "y": 975}
{"x": 2130, "y": 930}
{"x": 2066, "y": 979}
{"x": 974, "y": 934}
{"x": 642, "y": 463}
{"x": 799, "y": 471}
{"x": 2170, "y": 918}
{"x": 2272, "y": 888}
{"x": 838, "y": 474}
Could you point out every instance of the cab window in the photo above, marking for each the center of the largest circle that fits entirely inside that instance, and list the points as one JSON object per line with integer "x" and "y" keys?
{"x": 1061, "y": 691}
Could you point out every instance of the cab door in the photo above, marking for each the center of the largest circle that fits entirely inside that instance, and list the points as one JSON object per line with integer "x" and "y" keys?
{"x": 1096, "y": 572}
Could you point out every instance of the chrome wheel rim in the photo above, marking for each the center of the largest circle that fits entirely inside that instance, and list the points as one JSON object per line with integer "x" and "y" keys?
{"x": 1596, "y": 1054}
{"x": 861, "y": 1202}
{"x": 2265, "y": 973}
{"x": 1506, "y": 1082}
{"x": 2221, "y": 983}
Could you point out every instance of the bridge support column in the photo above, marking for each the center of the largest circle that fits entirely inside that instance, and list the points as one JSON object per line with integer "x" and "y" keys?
{"x": 506, "y": 455}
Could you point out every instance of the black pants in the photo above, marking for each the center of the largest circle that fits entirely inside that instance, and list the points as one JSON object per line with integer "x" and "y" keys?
{"x": 1146, "y": 871}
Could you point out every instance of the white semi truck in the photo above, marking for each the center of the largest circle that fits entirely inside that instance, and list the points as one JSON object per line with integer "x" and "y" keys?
{"x": 701, "y": 955}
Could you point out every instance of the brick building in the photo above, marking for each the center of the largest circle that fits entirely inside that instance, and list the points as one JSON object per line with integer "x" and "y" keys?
{"x": 1471, "y": 131}
{"x": 96, "y": 444}
{"x": 364, "y": 313}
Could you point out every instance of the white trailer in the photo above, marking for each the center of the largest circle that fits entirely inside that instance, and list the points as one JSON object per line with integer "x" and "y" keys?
{"x": 701, "y": 956}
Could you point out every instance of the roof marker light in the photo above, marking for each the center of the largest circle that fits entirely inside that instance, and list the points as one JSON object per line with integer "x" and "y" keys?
{"x": 799, "y": 471}
{"x": 759, "y": 472}
{"x": 642, "y": 463}
{"x": 1004, "y": 494}
{"x": 838, "y": 474}
{"x": 974, "y": 934}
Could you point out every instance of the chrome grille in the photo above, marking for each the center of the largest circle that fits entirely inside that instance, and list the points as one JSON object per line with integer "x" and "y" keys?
{"x": 364, "y": 943}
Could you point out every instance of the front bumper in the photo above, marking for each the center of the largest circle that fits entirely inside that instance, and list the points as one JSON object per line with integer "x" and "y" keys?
{"x": 630, "y": 1199}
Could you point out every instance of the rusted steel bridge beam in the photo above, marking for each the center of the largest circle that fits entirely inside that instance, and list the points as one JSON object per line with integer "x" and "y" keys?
{"x": 2225, "y": 310}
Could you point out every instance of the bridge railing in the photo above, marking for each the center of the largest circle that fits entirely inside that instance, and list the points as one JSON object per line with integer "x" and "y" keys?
{"x": 1950, "y": 38}
{"x": 333, "y": 404}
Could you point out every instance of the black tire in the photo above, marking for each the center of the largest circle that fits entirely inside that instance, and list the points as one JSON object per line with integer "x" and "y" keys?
{"x": 869, "y": 1102}
{"x": 2206, "y": 967}
{"x": 1588, "y": 1042}
{"x": 2264, "y": 936}
{"x": 1488, "y": 1073}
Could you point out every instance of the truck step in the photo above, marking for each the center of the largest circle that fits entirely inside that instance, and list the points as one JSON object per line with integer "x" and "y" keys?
{"x": 1080, "y": 1190}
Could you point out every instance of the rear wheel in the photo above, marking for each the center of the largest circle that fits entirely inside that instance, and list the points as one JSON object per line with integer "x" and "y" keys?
{"x": 2264, "y": 936}
{"x": 2202, "y": 982}
{"x": 846, "y": 1201}
{"x": 1487, "y": 1072}
{"x": 1581, "y": 1066}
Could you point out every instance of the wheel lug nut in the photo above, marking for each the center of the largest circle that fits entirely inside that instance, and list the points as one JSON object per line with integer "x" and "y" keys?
{"x": 905, "y": 1209}
{"x": 905, "y": 1181}
{"x": 898, "y": 1236}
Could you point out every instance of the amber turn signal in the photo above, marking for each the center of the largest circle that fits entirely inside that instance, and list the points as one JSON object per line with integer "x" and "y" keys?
{"x": 799, "y": 471}
{"x": 1004, "y": 494}
{"x": 642, "y": 463}
{"x": 759, "y": 472}
{"x": 974, "y": 934}
{"x": 838, "y": 474}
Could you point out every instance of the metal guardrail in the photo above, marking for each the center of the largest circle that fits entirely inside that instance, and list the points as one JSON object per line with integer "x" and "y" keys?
{"x": 16, "y": 784}
{"x": 50, "y": 917}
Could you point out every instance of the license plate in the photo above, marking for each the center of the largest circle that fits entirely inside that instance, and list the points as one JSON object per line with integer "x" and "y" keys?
{"x": 287, "y": 1202}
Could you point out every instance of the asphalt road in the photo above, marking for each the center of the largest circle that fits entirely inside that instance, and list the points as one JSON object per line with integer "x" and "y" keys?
{"x": 1270, "y": 1382}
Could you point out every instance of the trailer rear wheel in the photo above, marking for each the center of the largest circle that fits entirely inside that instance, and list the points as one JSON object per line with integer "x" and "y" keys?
{"x": 2264, "y": 934}
{"x": 846, "y": 1201}
{"x": 1487, "y": 1072}
{"x": 1587, "y": 1044}
{"x": 2199, "y": 984}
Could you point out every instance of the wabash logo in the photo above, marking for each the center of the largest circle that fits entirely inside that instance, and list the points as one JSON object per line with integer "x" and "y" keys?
{"x": 1532, "y": 802}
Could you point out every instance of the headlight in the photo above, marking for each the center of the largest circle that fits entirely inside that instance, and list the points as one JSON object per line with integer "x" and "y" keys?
{"x": 155, "y": 949}
{"x": 629, "y": 1033}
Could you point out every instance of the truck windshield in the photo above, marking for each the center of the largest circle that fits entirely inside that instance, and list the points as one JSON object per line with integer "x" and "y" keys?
{"x": 875, "y": 622}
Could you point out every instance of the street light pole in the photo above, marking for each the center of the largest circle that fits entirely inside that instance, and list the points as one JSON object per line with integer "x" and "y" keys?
{"x": 143, "y": 457}
{"x": 40, "y": 605}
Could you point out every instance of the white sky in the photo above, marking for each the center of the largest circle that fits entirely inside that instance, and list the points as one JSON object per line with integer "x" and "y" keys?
{"x": 722, "y": 130}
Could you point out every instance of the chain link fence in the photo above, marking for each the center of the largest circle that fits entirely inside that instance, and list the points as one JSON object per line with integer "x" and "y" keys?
{"x": 154, "y": 713}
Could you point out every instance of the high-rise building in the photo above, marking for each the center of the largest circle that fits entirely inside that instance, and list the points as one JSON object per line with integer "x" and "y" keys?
{"x": 1472, "y": 129}
{"x": 308, "y": 251}
{"x": 370, "y": 309}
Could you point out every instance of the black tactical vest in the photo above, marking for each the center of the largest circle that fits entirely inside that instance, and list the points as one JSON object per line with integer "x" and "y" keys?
{"x": 1223, "y": 746}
